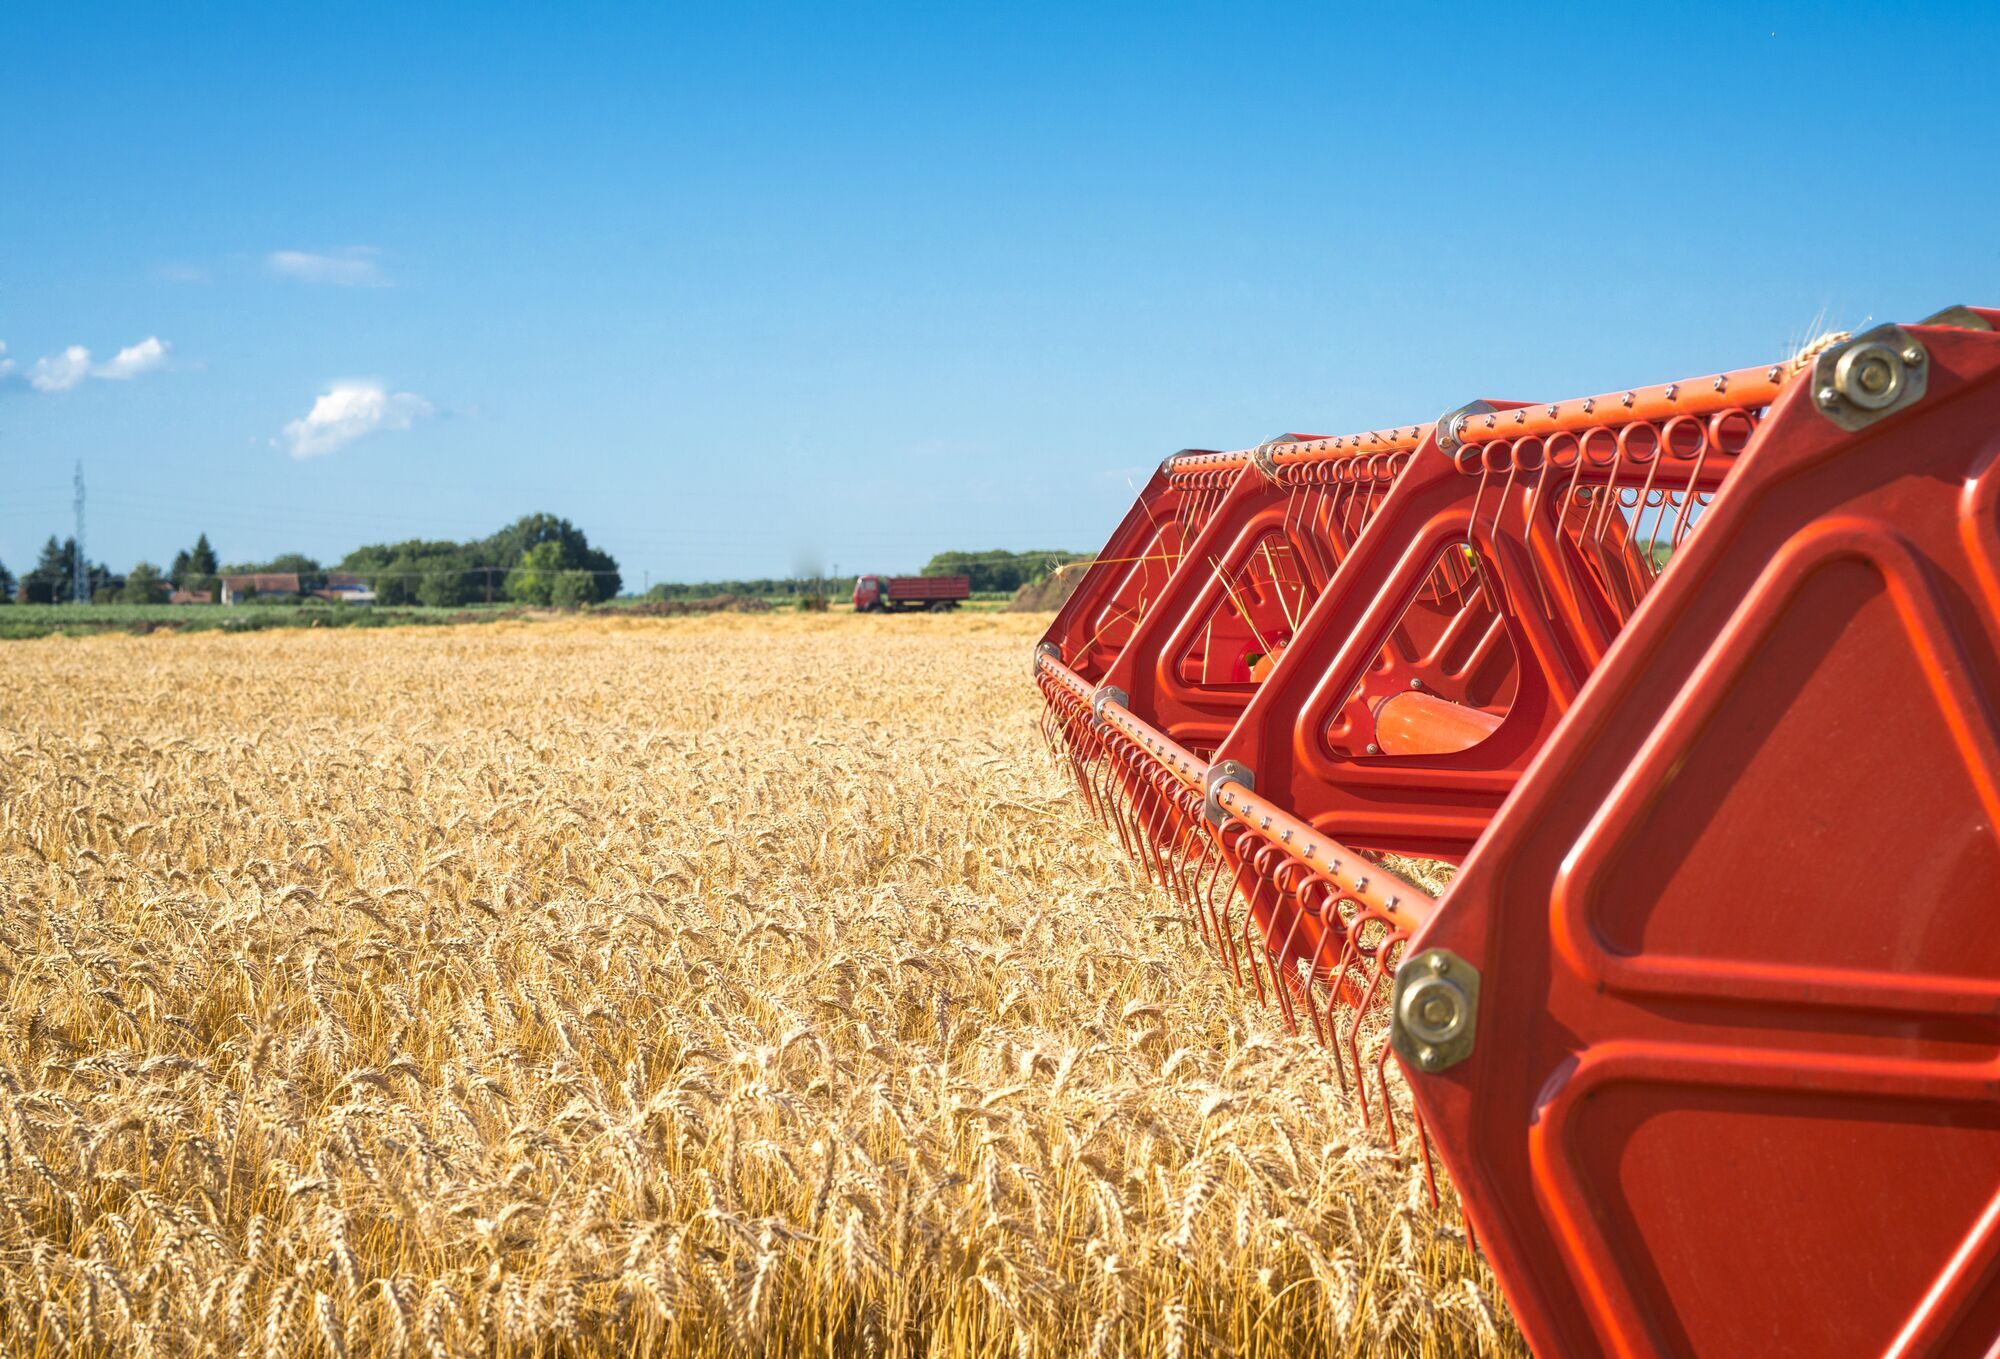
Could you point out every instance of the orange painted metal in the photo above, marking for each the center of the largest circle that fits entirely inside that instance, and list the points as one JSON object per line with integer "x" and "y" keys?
{"x": 1413, "y": 723}
{"x": 1289, "y": 449}
{"x": 1738, "y": 923}
{"x": 1701, "y": 684}
{"x": 1744, "y": 388}
{"x": 1122, "y": 584}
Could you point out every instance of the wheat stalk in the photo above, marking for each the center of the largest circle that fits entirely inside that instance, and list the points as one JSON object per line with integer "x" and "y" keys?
{"x": 664, "y": 988}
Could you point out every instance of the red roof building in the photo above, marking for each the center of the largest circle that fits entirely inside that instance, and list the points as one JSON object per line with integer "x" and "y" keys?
{"x": 238, "y": 588}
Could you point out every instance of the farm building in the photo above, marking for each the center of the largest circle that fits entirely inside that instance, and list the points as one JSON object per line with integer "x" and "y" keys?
{"x": 346, "y": 587}
{"x": 191, "y": 597}
{"x": 235, "y": 589}
{"x": 340, "y": 586}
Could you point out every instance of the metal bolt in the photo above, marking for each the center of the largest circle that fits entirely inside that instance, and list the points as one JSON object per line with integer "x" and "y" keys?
{"x": 1590, "y": 405}
{"x": 1416, "y": 684}
{"x": 1374, "y": 749}
{"x": 1265, "y": 824}
{"x": 1827, "y": 396}
{"x": 1439, "y": 964}
{"x": 1286, "y": 837}
{"x": 1772, "y": 374}
{"x": 1870, "y": 375}
{"x": 1428, "y": 1059}
{"x": 1434, "y": 1011}
{"x": 1914, "y": 356}
{"x": 1721, "y": 383}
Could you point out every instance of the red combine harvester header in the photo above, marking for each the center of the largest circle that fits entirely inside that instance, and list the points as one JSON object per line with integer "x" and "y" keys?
{"x": 899, "y": 594}
{"x": 1700, "y": 685}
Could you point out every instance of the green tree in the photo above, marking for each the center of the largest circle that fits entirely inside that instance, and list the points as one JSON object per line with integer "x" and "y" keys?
{"x": 143, "y": 585}
{"x": 533, "y": 580}
{"x": 442, "y": 588}
{"x": 998, "y": 569}
{"x": 195, "y": 568}
{"x": 397, "y": 581}
{"x": 7, "y": 584}
{"x": 483, "y": 569}
{"x": 572, "y": 589}
{"x": 45, "y": 582}
{"x": 511, "y": 544}
{"x": 419, "y": 570}
{"x": 53, "y": 581}
{"x": 288, "y": 561}
{"x": 50, "y": 581}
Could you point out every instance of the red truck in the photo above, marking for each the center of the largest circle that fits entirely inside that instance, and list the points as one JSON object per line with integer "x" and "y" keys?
{"x": 897, "y": 594}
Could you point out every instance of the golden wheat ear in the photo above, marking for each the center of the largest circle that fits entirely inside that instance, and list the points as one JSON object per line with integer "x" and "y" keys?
{"x": 682, "y": 986}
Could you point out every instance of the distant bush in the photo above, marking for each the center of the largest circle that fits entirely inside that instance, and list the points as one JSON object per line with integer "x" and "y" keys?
{"x": 518, "y": 562}
{"x": 571, "y": 589}
{"x": 443, "y": 590}
{"x": 999, "y": 570}
{"x": 143, "y": 585}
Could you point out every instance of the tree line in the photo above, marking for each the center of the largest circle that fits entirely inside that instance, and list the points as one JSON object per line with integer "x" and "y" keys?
{"x": 1000, "y": 569}
{"x": 995, "y": 571}
{"x": 759, "y": 587}
{"x": 538, "y": 559}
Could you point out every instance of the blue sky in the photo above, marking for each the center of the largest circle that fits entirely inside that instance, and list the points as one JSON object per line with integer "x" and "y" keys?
{"x": 738, "y": 287}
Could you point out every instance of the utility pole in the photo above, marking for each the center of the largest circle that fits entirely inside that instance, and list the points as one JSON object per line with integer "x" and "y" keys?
{"x": 80, "y": 569}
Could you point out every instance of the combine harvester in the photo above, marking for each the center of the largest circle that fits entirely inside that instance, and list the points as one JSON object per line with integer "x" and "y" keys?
{"x": 1700, "y": 686}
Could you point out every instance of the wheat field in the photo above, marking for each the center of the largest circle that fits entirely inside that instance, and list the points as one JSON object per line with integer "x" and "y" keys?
{"x": 695, "y": 987}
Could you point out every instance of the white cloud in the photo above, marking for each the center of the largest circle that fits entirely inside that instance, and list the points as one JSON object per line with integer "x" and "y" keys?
{"x": 356, "y": 266}
{"x": 134, "y": 359}
{"x": 348, "y": 411}
{"x": 60, "y": 372}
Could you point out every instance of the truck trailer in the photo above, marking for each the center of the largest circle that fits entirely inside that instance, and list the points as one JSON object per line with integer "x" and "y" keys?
{"x": 900, "y": 594}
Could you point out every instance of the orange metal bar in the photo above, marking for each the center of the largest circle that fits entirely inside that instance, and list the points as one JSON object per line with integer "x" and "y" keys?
{"x": 1748, "y": 388}
{"x": 1349, "y": 873}
{"x": 1398, "y": 440}
{"x": 1067, "y": 677}
{"x": 1745, "y": 387}
{"x": 1169, "y": 753}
